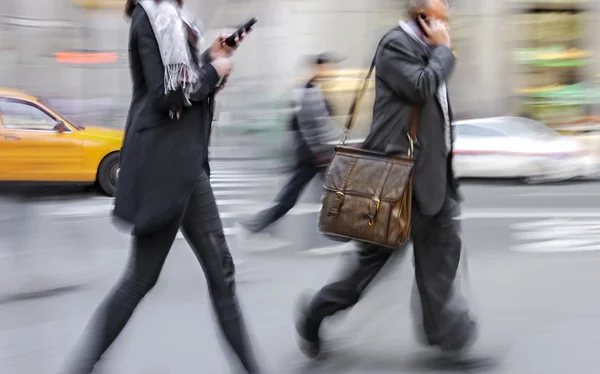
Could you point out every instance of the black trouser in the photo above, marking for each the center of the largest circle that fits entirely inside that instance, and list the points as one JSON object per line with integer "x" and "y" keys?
{"x": 445, "y": 317}
{"x": 202, "y": 229}
{"x": 287, "y": 197}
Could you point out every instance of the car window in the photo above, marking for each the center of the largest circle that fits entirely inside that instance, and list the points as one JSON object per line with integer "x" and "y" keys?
{"x": 475, "y": 131}
{"x": 25, "y": 116}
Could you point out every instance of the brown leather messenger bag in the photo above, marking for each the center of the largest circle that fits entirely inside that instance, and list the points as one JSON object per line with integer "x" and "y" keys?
{"x": 368, "y": 195}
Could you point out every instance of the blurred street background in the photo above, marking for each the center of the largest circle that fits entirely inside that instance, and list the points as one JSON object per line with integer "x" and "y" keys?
{"x": 526, "y": 96}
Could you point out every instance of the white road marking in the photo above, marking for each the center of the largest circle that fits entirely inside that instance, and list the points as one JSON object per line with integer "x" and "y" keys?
{"x": 226, "y": 230}
{"x": 236, "y": 202}
{"x": 530, "y": 213}
{"x": 85, "y": 210}
{"x": 241, "y": 178}
{"x": 245, "y": 172}
{"x": 557, "y": 235}
{"x": 247, "y": 183}
{"x": 559, "y": 194}
{"x": 242, "y": 192}
{"x": 328, "y": 251}
{"x": 241, "y": 208}
{"x": 298, "y": 210}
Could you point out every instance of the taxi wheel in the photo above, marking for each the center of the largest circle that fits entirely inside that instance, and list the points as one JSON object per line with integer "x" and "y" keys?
{"x": 108, "y": 173}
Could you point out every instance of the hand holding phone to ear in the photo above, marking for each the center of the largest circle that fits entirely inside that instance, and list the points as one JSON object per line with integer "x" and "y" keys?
{"x": 436, "y": 31}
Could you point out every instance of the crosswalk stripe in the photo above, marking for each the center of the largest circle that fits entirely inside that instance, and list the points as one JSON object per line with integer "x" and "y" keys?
{"x": 241, "y": 172}
{"x": 328, "y": 251}
{"x": 243, "y": 208}
{"x": 237, "y": 192}
{"x": 236, "y": 178}
{"x": 241, "y": 184}
{"x": 235, "y": 202}
{"x": 238, "y": 187}
{"x": 226, "y": 230}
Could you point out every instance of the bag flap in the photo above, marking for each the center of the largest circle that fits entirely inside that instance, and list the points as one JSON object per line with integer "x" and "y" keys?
{"x": 359, "y": 172}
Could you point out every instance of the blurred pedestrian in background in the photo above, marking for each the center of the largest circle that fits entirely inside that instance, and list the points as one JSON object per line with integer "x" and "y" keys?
{"x": 315, "y": 135}
{"x": 413, "y": 64}
{"x": 164, "y": 178}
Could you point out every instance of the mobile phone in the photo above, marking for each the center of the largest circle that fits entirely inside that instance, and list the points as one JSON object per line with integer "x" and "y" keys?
{"x": 245, "y": 28}
{"x": 424, "y": 19}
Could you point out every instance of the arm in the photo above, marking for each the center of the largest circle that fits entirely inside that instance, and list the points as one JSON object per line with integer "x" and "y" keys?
{"x": 206, "y": 58}
{"x": 207, "y": 80}
{"x": 315, "y": 124}
{"x": 153, "y": 69}
{"x": 407, "y": 74}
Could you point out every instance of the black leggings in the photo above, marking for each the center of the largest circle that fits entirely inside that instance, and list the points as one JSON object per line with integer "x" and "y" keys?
{"x": 201, "y": 227}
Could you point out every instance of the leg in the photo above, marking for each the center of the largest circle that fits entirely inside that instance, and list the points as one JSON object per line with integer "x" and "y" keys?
{"x": 203, "y": 231}
{"x": 445, "y": 315}
{"x": 342, "y": 294}
{"x": 286, "y": 199}
{"x": 141, "y": 274}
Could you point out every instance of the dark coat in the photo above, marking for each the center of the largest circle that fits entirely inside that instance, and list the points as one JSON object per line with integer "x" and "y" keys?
{"x": 409, "y": 73}
{"x": 161, "y": 157}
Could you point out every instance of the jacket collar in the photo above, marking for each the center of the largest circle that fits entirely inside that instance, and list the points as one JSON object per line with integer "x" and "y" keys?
{"x": 413, "y": 31}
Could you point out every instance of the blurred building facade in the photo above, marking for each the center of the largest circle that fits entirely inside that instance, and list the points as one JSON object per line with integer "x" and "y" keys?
{"x": 484, "y": 34}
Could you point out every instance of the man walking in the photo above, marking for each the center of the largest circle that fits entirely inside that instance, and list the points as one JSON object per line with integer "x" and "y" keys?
{"x": 314, "y": 130}
{"x": 413, "y": 64}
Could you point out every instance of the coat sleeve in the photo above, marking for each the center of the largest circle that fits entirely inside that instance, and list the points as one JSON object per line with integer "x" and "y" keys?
{"x": 408, "y": 75}
{"x": 205, "y": 57}
{"x": 208, "y": 78}
{"x": 153, "y": 69}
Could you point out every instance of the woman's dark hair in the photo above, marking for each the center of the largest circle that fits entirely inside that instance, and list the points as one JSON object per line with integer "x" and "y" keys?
{"x": 130, "y": 6}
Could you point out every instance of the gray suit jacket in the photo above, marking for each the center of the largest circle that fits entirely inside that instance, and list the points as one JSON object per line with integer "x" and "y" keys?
{"x": 408, "y": 74}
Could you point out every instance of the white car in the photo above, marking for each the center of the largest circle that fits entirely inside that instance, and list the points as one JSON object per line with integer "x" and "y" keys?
{"x": 517, "y": 147}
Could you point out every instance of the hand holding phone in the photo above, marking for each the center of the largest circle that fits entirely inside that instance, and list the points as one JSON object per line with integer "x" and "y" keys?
{"x": 435, "y": 30}
{"x": 245, "y": 28}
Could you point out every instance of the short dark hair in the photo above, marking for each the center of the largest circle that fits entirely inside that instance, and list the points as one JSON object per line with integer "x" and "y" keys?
{"x": 130, "y": 6}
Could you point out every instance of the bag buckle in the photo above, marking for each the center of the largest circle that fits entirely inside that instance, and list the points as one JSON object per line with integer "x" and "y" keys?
{"x": 377, "y": 204}
{"x": 411, "y": 145}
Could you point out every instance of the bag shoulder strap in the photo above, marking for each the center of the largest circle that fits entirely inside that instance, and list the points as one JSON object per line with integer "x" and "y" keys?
{"x": 416, "y": 111}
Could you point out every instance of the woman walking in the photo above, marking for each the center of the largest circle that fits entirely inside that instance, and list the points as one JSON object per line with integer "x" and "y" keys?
{"x": 164, "y": 177}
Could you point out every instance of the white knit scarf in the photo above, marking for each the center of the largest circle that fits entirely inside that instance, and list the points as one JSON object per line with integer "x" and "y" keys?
{"x": 171, "y": 34}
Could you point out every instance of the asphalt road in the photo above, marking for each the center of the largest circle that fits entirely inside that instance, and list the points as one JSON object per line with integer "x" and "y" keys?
{"x": 532, "y": 255}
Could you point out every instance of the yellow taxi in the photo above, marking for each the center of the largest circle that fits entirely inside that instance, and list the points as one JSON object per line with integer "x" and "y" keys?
{"x": 39, "y": 145}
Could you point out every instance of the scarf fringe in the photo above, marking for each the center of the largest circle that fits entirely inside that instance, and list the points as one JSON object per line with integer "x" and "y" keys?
{"x": 179, "y": 75}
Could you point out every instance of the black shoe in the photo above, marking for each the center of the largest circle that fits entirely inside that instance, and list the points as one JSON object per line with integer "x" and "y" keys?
{"x": 308, "y": 335}
{"x": 459, "y": 354}
{"x": 462, "y": 338}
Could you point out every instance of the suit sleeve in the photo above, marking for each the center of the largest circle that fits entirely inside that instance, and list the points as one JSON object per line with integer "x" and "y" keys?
{"x": 408, "y": 75}
{"x": 153, "y": 69}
